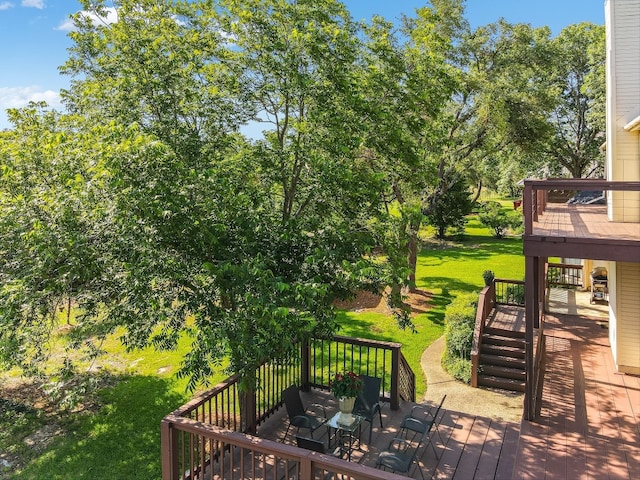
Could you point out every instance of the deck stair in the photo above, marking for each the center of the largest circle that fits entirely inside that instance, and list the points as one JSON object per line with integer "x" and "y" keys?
{"x": 502, "y": 362}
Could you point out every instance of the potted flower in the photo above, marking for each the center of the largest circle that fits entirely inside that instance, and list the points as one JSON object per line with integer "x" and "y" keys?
{"x": 346, "y": 387}
{"x": 488, "y": 277}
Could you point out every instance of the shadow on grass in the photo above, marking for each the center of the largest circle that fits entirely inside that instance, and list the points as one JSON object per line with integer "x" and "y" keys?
{"x": 474, "y": 248}
{"x": 361, "y": 325}
{"x": 438, "y": 305}
{"x": 121, "y": 440}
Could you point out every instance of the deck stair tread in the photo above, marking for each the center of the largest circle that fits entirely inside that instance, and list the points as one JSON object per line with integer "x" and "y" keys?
{"x": 504, "y": 350}
{"x": 505, "y": 372}
{"x": 501, "y": 360}
{"x": 493, "y": 339}
{"x": 500, "y": 382}
{"x": 504, "y": 333}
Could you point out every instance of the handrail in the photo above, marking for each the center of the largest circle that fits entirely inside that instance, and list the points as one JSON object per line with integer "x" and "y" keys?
{"x": 245, "y": 456}
{"x": 582, "y": 184}
{"x": 486, "y": 304}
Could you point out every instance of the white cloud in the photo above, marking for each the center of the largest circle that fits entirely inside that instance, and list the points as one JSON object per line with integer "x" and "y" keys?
{"x": 6, "y": 5}
{"x": 112, "y": 17}
{"x": 16, "y": 97}
{"x": 33, "y": 3}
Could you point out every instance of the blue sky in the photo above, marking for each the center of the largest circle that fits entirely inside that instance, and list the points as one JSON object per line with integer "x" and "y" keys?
{"x": 33, "y": 35}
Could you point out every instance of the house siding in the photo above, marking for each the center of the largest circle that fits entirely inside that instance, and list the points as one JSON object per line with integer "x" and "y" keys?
{"x": 623, "y": 104}
{"x": 623, "y": 164}
{"x": 627, "y": 301}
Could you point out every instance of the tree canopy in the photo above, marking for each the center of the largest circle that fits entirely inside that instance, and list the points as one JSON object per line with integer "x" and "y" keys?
{"x": 147, "y": 208}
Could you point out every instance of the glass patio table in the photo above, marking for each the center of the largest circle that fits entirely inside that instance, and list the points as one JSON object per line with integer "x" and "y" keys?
{"x": 347, "y": 429}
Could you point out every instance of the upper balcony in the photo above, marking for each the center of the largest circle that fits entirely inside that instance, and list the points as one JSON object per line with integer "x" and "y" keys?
{"x": 559, "y": 222}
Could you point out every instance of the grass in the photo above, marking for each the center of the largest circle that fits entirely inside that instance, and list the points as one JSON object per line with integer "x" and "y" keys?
{"x": 122, "y": 439}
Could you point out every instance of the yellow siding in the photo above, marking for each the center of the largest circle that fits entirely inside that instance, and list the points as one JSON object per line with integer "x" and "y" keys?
{"x": 623, "y": 105}
{"x": 628, "y": 317}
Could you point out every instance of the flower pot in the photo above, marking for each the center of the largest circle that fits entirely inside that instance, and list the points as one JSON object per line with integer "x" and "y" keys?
{"x": 345, "y": 404}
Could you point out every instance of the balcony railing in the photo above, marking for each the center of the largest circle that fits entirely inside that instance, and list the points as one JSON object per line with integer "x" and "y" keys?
{"x": 206, "y": 437}
{"x": 582, "y": 218}
{"x": 564, "y": 275}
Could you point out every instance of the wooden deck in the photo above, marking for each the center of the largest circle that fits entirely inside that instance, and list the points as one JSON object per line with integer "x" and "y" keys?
{"x": 507, "y": 317}
{"x": 588, "y": 427}
{"x": 589, "y": 424}
{"x": 467, "y": 446}
{"x": 582, "y": 221}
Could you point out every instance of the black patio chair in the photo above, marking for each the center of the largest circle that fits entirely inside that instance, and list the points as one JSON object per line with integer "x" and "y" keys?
{"x": 401, "y": 453}
{"x": 317, "y": 446}
{"x": 298, "y": 416}
{"x": 310, "y": 444}
{"x": 368, "y": 401}
{"x": 429, "y": 418}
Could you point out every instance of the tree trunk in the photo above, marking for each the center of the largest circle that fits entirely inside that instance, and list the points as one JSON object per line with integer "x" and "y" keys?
{"x": 412, "y": 254}
{"x": 477, "y": 196}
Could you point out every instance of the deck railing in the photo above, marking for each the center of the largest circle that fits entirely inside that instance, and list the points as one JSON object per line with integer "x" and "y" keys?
{"x": 243, "y": 456}
{"x": 539, "y": 363}
{"x": 538, "y": 194}
{"x": 365, "y": 357}
{"x": 564, "y": 275}
{"x": 198, "y": 439}
{"x": 486, "y": 304}
{"x": 509, "y": 292}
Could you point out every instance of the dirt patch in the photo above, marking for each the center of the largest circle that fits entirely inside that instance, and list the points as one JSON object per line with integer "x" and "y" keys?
{"x": 418, "y": 301}
{"x": 26, "y": 394}
{"x": 41, "y": 439}
{"x": 363, "y": 301}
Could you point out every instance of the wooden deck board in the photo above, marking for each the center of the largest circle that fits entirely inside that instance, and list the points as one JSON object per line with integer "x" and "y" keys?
{"x": 582, "y": 221}
{"x": 507, "y": 317}
{"x": 467, "y": 447}
{"x": 588, "y": 427}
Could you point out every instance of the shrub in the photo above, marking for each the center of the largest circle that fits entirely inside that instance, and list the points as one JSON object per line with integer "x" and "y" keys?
{"x": 488, "y": 277}
{"x": 496, "y": 218}
{"x": 460, "y": 318}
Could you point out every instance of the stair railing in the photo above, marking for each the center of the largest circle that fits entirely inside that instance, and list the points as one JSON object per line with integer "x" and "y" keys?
{"x": 486, "y": 304}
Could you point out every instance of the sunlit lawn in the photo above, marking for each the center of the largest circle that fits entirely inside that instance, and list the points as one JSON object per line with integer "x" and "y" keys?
{"x": 122, "y": 440}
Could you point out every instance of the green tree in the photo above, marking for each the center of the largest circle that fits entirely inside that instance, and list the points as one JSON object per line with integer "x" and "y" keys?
{"x": 576, "y": 122}
{"x": 405, "y": 81}
{"x": 452, "y": 208}
{"x": 499, "y": 102}
{"x": 241, "y": 246}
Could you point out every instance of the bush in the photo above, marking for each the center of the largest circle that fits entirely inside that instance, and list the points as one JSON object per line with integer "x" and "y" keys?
{"x": 496, "y": 218}
{"x": 460, "y": 317}
{"x": 458, "y": 368}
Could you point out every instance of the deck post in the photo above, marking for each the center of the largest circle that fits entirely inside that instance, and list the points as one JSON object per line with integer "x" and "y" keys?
{"x": 248, "y": 407}
{"x": 531, "y": 284}
{"x": 541, "y": 293}
{"x": 395, "y": 379}
{"x": 305, "y": 365}
{"x": 169, "y": 449}
{"x": 528, "y": 207}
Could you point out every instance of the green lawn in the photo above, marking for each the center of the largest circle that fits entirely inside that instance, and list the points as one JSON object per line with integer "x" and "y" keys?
{"x": 122, "y": 440}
